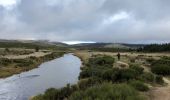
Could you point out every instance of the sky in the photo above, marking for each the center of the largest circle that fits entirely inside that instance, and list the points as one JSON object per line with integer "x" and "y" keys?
{"x": 117, "y": 21}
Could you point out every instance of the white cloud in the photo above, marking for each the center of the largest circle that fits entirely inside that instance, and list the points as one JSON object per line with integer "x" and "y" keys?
{"x": 76, "y": 42}
{"x": 8, "y": 3}
{"x": 116, "y": 17}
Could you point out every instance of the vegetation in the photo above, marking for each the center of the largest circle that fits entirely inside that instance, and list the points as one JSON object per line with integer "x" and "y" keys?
{"x": 107, "y": 91}
{"x": 147, "y": 77}
{"x": 97, "y": 66}
{"x": 161, "y": 66}
{"x": 99, "y": 80}
{"x": 156, "y": 48}
{"x": 15, "y": 66}
{"x": 139, "y": 85}
{"x": 29, "y": 45}
{"x": 8, "y": 51}
{"x": 36, "y": 49}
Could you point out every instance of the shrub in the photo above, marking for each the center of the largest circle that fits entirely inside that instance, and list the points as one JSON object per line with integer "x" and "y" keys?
{"x": 7, "y": 50}
{"x": 127, "y": 74}
{"x": 147, "y": 77}
{"x": 37, "y": 49}
{"x": 104, "y": 60}
{"x": 138, "y": 85}
{"x": 38, "y": 97}
{"x": 119, "y": 75}
{"x": 85, "y": 73}
{"x": 159, "y": 79}
{"x": 137, "y": 68}
{"x": 161, "y": 69}
{"x": 56, "y": 94}
{"x": 85, "y": 83}
{"x": 110, "y": 74}
{"x": 5, "y": 61}
{"x": 51, "y": 94}
{"x": 107, "y": 91}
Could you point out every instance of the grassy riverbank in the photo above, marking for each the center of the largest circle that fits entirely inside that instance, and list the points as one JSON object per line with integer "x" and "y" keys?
{"x": 15, "y": 66}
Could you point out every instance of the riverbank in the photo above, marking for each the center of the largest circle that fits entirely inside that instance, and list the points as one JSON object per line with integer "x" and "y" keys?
{"x": 9, "y": 67}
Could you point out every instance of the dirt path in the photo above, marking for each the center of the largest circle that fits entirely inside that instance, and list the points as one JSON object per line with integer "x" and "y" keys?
{"x": 161, "y": 93}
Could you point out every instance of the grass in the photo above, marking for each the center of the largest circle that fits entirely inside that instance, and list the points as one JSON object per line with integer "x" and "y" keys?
{"x": 15, "y": 66}
{"x": 13, "y": 51}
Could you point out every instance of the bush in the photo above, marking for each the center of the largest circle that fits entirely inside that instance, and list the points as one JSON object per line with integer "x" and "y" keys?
{"x": 104, "y": 60}
{"x": 159, "y": 79}
{"x": 147, "y": 77}
{"x": 5, "y": 61}
{"x": 85, "y": 73}
{"x": 56, "y": 94}
{"x": 37, "y": 49}
{"x": 38, "y": 97}
{"x": 161, "y": 69}
{"x": 119, "y": 75}
{"x": 110, "y": 74}
{"x": 137, "y": 68}
{"x": 138, "y": 85}
{"x": 85, "y": 83}
{"x": 107, "y": 91}
{"x": 127, "y": 74}
{"x": 51, "y": 94}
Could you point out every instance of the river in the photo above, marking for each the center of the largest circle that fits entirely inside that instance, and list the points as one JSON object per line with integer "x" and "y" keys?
{"x": 56, "y": 73}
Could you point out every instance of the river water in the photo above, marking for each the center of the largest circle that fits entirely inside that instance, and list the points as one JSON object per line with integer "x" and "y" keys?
{"x": 56, "y": 73}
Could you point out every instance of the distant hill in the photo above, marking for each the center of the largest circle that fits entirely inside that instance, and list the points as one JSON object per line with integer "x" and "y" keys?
{"x": 30, "y": 44}
{"x": 109, "y": 45}
{"x": 49, "y": 44}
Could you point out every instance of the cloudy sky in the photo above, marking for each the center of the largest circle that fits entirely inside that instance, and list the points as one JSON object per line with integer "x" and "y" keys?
{"x": 131, "y": 21}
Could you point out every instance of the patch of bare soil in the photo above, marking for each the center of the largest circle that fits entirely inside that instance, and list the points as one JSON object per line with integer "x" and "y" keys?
{"x": 161, "y": 93}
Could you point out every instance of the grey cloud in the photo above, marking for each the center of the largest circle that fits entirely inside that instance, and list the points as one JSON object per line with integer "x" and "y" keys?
{"x": 83, "y": 20}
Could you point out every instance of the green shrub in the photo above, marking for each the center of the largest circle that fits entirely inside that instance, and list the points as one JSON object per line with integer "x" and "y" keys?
{"x": 85, "y": 83}
{"x": 56, "y": 94}
{"x": 51, "y": 94}
{"x": 147, "y": 77}
{"x": 161, "y": 69}
{"x": 104, "y": 60}
{"x": 85, "y": 73}
{"x": 119, "y": 75}
{"x": 111, "y": 74}
{"x": 137, "y": 68}
{"x": 138, "y": 85}
{"x": 107, "y": 91}
{"x": 127, "y": 74}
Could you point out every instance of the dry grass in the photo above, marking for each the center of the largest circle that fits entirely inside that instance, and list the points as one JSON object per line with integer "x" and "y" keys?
{"x": 35, "y": 54}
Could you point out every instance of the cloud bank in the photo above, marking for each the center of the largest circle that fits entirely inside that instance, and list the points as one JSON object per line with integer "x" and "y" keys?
{"x": 130, "y": 21}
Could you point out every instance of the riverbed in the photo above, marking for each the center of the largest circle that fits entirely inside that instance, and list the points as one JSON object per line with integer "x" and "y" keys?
{"x": 56, "y": 73}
